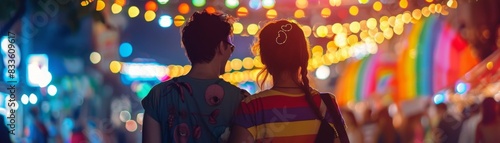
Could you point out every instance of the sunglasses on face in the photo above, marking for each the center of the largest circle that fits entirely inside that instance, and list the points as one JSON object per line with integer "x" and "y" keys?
{"x": 230, "y": 45}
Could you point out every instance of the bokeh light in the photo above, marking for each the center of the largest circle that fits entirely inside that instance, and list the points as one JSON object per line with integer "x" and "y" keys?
{"x": 353, "y": 10}
{"x": 149, "y": 16}
{"x": 340, "y": 39}
{"x": 162, "y": 1}
{"x": 388, "y": 33}
{"x": 379, "y": 37}
{"x": 321, "y": 31}
{"x": 133, "y": 11}
{"x": 371, "y": 23}
{"x": 354, "y": 27}
{"x": 199, "y": 3}
{"x": 352, "y": 39}
{"x": 232, "y": 3}
{"x": 255, "y": 4}
{"x": 121, "y": 2}
{"x": 125, "y": 116}
{"x": 363, "y": 1}
{"x": 326, "y": 12}
{"x": 242, "y": 12}
{"x": 143, "y": 90}
{"x": 439, "y": 98}
{"x": 337, "y": 28}
{"x": 489, "y": 65}
{"x": 115, "y": 8}
{"x": 377, "y": 6}
{"x": 299, "y": 14}
{"x": 237, "y": 28}
{"x": 252, "y": 29}
{"x": 417, "y": 14}
{"x": 271, "y": 14}
{"x": 210, "y": 9}
{"x": 183, "y": 8}
{"x": 236, "y": 64}
{"x": 406, "y": 17}
{"x": 323, "y": 72}
{"x": 307, "y": 30}
{"x": 248, "y": 63}
{"x": 125, "y": 49}
{"x": 335, "y": 2}
{"x": 140, "y": 118}
{"x": 25, "y": 99}
{"x": 403, "y": 4}
{"x": 179, "y": 20}
{"x": 115, "y": 66}
{"x": 95, "y": 57}
{"x": 268, "y": 4}
{"x": 33, "y": 98}
{"x": 52, "y": 90}
{"x": 100, "y": 5}
{"x": 151, "y": 5}
{"x": 131, "y": 125}
{"x": 165, "y": 21}
{"x": 301, "y": 4}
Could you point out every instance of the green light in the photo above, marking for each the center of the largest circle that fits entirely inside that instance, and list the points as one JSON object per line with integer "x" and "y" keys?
{"x": 143, "y": 90}
{"x": 199, "y": 3}
{"x": 162, "y": 1}
{"x": 232, "y": 3}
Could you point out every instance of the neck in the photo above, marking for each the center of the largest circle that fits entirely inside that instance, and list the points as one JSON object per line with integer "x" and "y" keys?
{"x": 285, "y": 80}
{"x": 205, "y": 71}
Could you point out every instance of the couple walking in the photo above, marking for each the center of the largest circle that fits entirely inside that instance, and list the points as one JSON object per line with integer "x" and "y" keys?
{"x": 201, "y": 107}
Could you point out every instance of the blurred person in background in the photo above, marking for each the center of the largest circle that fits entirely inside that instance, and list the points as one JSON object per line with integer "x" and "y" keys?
{"x": 38, "y": 131}
{"x": 449, "y": 127}
{"x": 353, "y": 131}
{"x": 468, "y": 132}
{"x": 199, "y": 106}
{"x": 488, "y": 130}
{"x": 4, "y": 131}
{"x": 369, "y": 126}
{"x": 386, "y": 131}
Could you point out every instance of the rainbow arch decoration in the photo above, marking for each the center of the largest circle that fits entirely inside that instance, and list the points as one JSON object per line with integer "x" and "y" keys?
{"x": 435, "y": 57}
{"x": 365, "y": 78}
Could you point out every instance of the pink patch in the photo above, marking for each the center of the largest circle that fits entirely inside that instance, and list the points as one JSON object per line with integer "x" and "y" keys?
{"x": 181, "y": 133}
{"x": 214, "y": 94}
{"x": 197, "y": 132}
{"x": 213, "y": 116}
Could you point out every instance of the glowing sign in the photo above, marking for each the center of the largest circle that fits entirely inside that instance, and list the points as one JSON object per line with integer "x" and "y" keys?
{"x": 143, "y": 71}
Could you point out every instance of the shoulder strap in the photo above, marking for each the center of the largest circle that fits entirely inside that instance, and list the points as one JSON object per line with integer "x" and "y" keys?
{"x": 336, "y": 116}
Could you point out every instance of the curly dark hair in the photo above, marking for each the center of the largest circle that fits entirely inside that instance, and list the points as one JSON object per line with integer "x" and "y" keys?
{"x": 203, "y": 33}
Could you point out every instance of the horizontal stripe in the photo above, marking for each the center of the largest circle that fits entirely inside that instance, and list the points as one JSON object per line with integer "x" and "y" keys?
{"x": 267, "y": 93}
{"x": 276, "y": 101}
{"x": 275, "y": 115}
{"x": 285, "y": 129}
{"x": 290, "y": 139}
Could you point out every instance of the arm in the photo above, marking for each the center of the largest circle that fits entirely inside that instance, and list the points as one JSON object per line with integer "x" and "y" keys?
{"x": 240, "y": 135}
{"x": 151, "y": 130}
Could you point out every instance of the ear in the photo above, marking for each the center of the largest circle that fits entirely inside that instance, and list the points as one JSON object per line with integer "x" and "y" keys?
{"x": 220, "y": 49}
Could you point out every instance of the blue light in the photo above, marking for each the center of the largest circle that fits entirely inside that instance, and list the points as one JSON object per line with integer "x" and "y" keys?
{"x": 165, "y": 21}
{"x": 439, "y": 98}
{"x": 255, "y": 4}
{"x": 125, "y": 49}
{"x": 461, "y": 88}
{"x": 251, "y": 87}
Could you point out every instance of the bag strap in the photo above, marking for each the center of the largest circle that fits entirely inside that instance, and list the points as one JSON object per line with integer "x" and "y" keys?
{"x": 338, "y": 121}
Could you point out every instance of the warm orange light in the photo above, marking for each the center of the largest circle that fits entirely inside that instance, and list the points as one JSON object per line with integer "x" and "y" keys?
{"x": 179, "y": 20}
{"x": 403, "y": 4}
{"x": 301, "y": 4}
{"x": 151, "y": 5}
{"x": 271, "y": 14}
{"x": 299, "y": 14}
{"x": 377, "y": 6}
{"x": 210, "y": 9}
{"x": 326, "y": 12}
{"x": 242, "y": 12}
{"x": 307, "y": 30}
{"x": 353, "y": 10}
{"x": 121, "y": 2}
{"x": 183, "y": 8}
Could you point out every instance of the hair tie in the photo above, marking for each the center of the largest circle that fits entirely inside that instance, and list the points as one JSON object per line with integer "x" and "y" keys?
{"x": 284, "y": 28}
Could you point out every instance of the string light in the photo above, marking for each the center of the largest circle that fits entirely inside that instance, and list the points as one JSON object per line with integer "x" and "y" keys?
{"x": 271, "y": 14}
{"x": 377, "y": 6}
{"x": 299, "y": 14}
{"x": 353, "y": 10}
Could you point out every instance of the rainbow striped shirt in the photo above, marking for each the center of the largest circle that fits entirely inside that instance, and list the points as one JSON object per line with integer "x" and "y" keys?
{"x": 274, "y": 116}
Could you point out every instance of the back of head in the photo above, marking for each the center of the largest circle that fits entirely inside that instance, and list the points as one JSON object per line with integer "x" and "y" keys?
{"x": 203, "y": 33}
{"x": 283, "y": 47}
{"x": 489, "y": 110}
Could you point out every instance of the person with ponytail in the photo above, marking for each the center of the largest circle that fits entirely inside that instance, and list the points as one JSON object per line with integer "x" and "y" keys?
{"x": 290, "y": 111}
